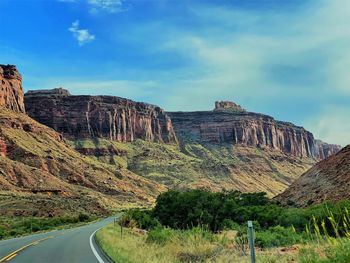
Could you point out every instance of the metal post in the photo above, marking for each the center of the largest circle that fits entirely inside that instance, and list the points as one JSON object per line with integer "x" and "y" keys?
{"x": 251, "y": 241}
{"x": 121, "y": 230}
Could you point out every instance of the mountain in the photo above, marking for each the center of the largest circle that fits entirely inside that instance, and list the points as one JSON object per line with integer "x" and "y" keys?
{"x": 224, "y": 149}
{"x": 327, "y": 180}
{"x": 62, "y": 153}
{"x": 42, "y": 175}
{"x": 113, "y": 118}
{"x": 229, "y": 123}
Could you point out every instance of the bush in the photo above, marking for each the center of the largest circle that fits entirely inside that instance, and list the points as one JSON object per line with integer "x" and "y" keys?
{"x": 277, "y": 236}
{"x": 11, "y": 227}
{"x": 184, "y": 210}
{"x": 160, "y": 235}
{"x": 83, "y": 217}
{"x": 139, "y": 218}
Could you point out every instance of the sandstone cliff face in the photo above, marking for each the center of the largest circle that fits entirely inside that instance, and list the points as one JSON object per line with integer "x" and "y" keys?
{"x": 324, "y": 150}
{"x": 250, "y": 129}
{"x": 108, "y": 117}
{"x": 11, "y": 92}
{"x": 327, "y": 180}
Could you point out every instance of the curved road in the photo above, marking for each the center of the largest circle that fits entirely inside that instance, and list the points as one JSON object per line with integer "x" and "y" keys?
{"x": 75, "y": 245}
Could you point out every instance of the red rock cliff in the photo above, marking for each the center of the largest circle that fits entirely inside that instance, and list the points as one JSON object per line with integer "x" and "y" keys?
{"x": 251, "y": 129}
{"x": 11, "y": 92}
{"x": 99, "y": 116}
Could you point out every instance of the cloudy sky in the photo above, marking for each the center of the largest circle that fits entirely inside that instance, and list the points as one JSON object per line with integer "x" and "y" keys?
{"x": 288, "y": 59}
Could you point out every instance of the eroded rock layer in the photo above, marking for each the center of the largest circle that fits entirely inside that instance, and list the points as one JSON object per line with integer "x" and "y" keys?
{"x": 108, "y": 117}
{"x": 11, "y": 92}
{"x": 250, "y": 129}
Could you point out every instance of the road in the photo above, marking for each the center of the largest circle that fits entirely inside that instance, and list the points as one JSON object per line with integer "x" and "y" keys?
{"x": 62, "y": 246}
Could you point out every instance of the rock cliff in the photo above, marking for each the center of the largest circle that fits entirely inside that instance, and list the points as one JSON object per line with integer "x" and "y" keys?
{"x": 227, "y": 106}
{"x": 324, "y": 150}
{"x": 107, "y": 117}
{"x": 11, "y": 92}
{"x": 250, "y": 129}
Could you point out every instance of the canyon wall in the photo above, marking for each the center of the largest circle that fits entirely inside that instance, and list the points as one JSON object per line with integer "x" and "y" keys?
{"x": 11, "y": 92}
{"x": 107, "y": 117}
{"x": 324, "y": 150}
{"x": 250, "y": 129}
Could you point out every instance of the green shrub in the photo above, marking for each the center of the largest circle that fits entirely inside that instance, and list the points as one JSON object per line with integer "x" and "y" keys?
{"x": 16, "y": 226}
{"x": 184, "y": 210}
{"x": 277, "y": 236}
{"x": 160, "y": 235}
{"x": 83, "y": 217}
{"x": 139, "y": 218}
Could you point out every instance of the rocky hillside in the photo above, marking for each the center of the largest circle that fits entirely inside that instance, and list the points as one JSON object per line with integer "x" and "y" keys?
{"x": 41, "y": 175}
{"x": 328, "y": 180}
{"x": 230, "y": 124}
{"x": 11, "y": 92}
{"x": 227, "y": 148}
{"x": 113, "y": 118}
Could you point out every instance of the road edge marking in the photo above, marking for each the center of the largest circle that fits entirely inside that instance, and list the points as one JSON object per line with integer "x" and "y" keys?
{"x": 100, "y": 260}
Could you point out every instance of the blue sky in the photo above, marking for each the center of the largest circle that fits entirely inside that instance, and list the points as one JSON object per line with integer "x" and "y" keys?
{"x": 288, "y": 59}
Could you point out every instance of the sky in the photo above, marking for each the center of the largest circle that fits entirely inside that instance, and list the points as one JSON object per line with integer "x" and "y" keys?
{"x": 286, "y": 58}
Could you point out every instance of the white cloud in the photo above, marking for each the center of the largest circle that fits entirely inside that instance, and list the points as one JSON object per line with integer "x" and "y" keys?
{"x": 294, "y": 66}
{"x": 81, "y": 35}
{"x": 110, "y": 6}
{"x": 331, "y": 125}
{"x": 96, "y": 6}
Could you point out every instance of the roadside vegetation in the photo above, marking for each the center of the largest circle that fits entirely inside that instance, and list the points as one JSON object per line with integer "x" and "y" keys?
{"x": 19, "y": 226}
{"x": 200, "y": 226}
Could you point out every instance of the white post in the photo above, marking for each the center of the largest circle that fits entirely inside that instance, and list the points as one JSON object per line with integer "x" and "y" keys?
{"x": 251, "y": 241}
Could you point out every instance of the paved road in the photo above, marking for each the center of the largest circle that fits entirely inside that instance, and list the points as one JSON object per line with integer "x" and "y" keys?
{"x": 75, "y": 245}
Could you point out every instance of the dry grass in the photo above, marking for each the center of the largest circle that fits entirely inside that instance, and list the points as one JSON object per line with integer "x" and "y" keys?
{"x": 211, "y": 167}
{"x": 182, "y": 246}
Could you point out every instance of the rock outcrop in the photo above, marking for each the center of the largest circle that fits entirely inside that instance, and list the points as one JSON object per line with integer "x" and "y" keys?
{"x": 328, "y": 180}
{"x": 108, "y": 117}
{"x": 11, "y": 92}
{"x": 324, "y": 150}
{"x": 3, "y": 148}
{"x": 227, "y": 106}
{"x": 250, "y": 129}
{"x": 59, "y": 92}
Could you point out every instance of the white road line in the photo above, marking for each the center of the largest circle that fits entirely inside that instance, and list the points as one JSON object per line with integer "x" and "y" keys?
{"x": 100, "y": 260}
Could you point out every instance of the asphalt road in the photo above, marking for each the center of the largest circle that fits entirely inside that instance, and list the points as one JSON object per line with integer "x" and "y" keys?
{"x": 63, "y": 246}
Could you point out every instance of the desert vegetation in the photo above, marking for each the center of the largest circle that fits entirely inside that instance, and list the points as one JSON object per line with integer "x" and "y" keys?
{"x": 200, "y": 226}
{"x": 19, "y": 226}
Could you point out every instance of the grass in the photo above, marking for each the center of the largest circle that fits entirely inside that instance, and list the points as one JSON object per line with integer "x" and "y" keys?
{"x": 325, "y": 238}
{"x": 19, "y": 226}
{"x": 177, "y": 246}
{"x": 194, "y": 165}
{"x": 197, "y": 245}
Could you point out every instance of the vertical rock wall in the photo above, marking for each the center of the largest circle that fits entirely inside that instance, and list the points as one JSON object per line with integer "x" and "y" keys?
{"x": 11, "y": 92}
{"x": 108, "y": 117}
{"x": 249, "y": 129}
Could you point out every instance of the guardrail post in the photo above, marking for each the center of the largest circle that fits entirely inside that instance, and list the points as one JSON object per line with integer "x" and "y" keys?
{"x": 251, "y": 241}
